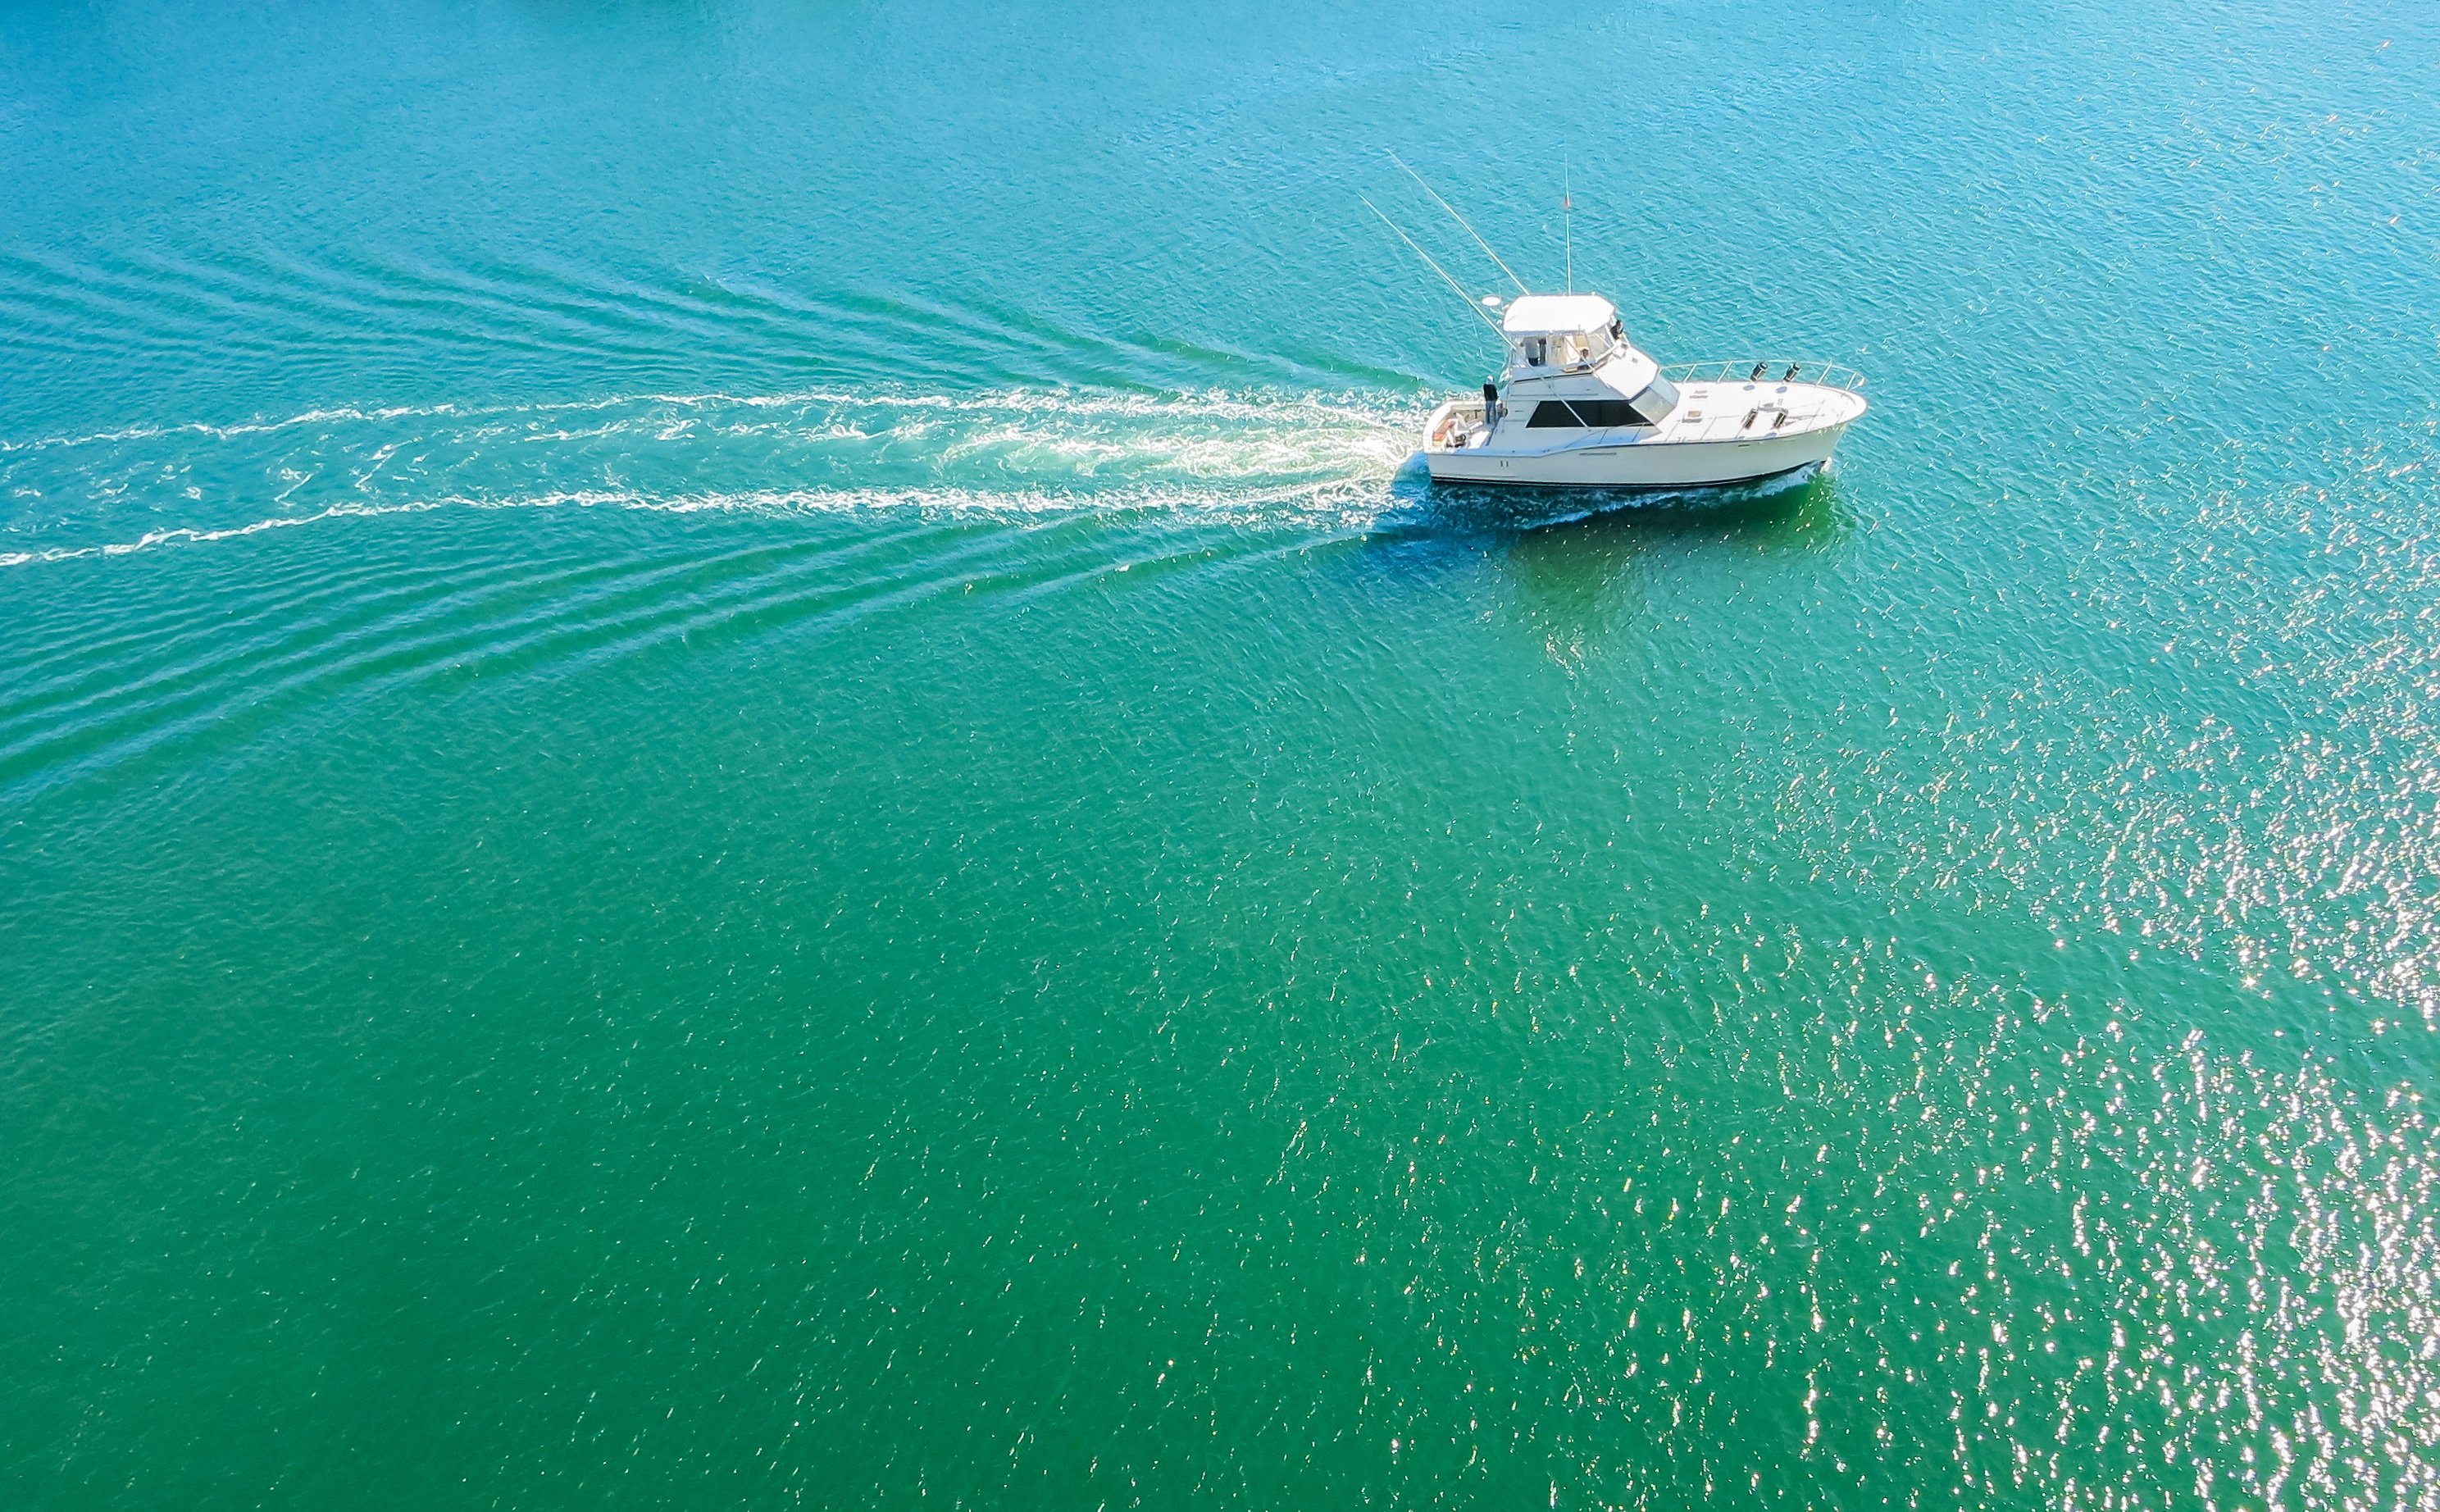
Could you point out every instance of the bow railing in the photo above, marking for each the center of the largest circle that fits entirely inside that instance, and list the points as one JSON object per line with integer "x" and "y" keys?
{"x": 1766, "y": 370}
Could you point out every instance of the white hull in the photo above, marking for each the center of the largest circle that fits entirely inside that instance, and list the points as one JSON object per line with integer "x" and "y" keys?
{"x": 1615, "y": 420}
{"x": 1648, "y": 464}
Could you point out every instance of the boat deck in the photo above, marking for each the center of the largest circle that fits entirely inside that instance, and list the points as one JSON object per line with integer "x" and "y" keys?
{"x": 1745, "y": 411}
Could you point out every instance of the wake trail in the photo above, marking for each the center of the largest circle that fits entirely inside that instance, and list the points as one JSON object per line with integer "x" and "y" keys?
{"x": 823, "y": 450}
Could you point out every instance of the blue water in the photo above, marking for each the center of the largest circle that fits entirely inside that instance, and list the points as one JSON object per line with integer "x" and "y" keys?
{"x": 739, "y": 764}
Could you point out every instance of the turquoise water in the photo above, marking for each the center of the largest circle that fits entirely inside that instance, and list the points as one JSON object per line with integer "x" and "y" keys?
{"x": 738, "y": 765}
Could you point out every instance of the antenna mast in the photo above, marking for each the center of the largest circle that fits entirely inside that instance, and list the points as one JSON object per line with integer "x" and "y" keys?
{"x": 1462, "y": 220}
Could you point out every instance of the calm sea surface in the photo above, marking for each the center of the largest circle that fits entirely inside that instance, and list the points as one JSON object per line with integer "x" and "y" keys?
{"x": 738, "y": 765}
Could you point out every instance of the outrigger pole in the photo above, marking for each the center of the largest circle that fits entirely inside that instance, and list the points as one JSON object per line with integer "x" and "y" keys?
{"x": 1454, "y": 286}
{"x": 1460, "y": 219}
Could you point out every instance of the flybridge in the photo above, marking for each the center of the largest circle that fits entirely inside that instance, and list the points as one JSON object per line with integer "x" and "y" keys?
{"x": 1573, "y": 332}
{"x": 1541, "y": 314}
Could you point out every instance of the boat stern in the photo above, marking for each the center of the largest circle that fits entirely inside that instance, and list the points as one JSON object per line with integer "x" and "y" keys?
{"x": 1454, "y": 426}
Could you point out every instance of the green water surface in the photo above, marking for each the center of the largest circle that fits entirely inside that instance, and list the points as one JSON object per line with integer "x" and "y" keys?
{"x": 739, "y": 765}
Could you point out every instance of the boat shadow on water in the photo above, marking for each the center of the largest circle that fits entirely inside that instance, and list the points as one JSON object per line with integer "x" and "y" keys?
{"x": 1581, "y": 563}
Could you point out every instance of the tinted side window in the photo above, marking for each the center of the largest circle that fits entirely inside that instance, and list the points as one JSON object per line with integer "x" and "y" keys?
{"x": 1596, "y": 413}
{"x": 1608, "y": 413}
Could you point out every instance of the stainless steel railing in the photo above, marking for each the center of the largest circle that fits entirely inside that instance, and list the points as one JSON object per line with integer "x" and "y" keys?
{"x": 1769, "y": 370}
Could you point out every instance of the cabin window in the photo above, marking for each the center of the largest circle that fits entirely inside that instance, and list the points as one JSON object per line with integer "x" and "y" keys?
{"x": 1584, "y": 414}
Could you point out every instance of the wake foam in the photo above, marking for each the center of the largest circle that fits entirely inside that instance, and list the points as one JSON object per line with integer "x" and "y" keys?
{"x": 1015, "y": 452}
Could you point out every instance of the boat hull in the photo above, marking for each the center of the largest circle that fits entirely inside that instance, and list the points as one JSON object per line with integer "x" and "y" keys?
{"x": 1651, "y": 464}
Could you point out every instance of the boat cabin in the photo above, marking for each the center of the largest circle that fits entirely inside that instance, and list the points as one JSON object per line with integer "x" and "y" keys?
{"x": 1571, "y": 367}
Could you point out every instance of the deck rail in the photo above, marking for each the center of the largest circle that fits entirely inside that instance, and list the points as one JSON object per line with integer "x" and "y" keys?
{"x": 1766, "y": 370}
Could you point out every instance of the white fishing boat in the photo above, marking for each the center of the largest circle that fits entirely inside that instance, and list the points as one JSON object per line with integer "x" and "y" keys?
{"x": 1582, "y": 406}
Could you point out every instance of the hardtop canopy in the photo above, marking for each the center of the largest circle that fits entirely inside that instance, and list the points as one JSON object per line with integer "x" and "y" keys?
{"x": 1557, "y": 315}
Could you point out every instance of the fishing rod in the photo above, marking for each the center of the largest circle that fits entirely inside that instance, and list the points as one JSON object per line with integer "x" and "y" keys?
{"x": 1453, "y": 284}
{"x": 1460, "y": 219}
